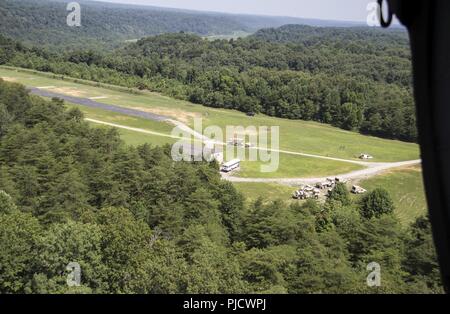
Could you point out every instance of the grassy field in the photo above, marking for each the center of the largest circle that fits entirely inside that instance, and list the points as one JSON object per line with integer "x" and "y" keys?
{"x": 291, "y": 166}
{"x": 405, "y": 186}
{"x": 295, "y": 135}
{"x": 117, "y": 118}
{"x": 267, "y": 191}
{"x": 235, "y": 35}
{"x": 131, "y": 138}
{"x": 407, "y": 190}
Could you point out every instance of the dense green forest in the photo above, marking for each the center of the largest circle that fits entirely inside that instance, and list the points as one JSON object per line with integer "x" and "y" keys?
{"x": 354, "y": 78}
{"x": 43, "y": 23}
{"x": 138, "y": 222}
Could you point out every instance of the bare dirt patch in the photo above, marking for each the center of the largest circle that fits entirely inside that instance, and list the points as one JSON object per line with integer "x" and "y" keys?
{"x": 98, "y": 97}
{"x": 9, "y": 79}
{"x": 417, "y": 168}
{"x": 69, "y": 91}
{"x": 180, "y": 115}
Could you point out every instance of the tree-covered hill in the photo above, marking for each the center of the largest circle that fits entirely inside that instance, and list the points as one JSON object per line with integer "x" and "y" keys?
{"x": 359, "y": 80}
{"x": 374, "y": 38}
{"x": 43, "y": 22}
{"x": 138, "y": 222}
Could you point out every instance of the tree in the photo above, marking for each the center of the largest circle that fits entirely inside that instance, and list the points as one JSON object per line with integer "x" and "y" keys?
{"x": 125, "y": 244}
{"x": 5, "y": 119}
{"x": 350, "y": 116}
{"x": 212, "y": 268}
{"x": 341, "y": 194}
{"x": 18, "y": 238}
{"x": 66, "y": 243}
{"x": 377, "y": 203}
{"x": 6, "y": 203}
{"x": 420, "y": 257}
{"x": 264, "y": 269}
{"x": 270, "y": 224}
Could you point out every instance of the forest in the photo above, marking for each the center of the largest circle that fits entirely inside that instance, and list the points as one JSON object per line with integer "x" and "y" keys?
{"x": 107, "y": 25}
{"x": 354, "y": 78}
{"x": 138, "y": 222}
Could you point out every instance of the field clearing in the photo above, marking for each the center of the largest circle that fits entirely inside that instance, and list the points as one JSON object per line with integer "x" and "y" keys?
{"x": 235, "y": 35}
{"x": 405, "y": 186}
{"x": 291, "y": 166}
{"x": 295, "y": 135}
{"x": 407, "y": 191}
{"x": 130, "y": 138}
{"x": 117, "y": 118}
{"x": 266, "y": 191}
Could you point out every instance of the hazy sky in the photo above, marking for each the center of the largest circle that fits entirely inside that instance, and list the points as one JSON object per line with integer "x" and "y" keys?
{"x": 348, "y": 10}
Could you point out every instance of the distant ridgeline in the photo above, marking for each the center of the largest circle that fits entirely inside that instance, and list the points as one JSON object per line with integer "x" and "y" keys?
{"x": 105, "y": 24}
{"x": 355, "y": 78}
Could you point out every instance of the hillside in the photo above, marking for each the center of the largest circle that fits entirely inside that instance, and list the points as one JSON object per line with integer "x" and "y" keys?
{"x": 105, "y": 24}
{"x": 308, "y": 35}
{"x": 89, "y": 179}
{"x": 362, "y": 83}
{"x": 295, "y": 135}
{"x": 137, "y": 222}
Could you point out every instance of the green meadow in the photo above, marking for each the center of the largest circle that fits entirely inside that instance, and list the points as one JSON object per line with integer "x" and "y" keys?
{"x": 405, "y": 186}
{"x": 295, "y": 135}
{"x": 406, "y": 189}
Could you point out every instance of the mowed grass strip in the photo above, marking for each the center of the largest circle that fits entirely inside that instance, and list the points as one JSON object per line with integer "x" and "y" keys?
{"x": 295, "y": 135}
{"x": 121, "y": 119}
{"x": 131, "y": 138}
{"x": 406, "y": 189}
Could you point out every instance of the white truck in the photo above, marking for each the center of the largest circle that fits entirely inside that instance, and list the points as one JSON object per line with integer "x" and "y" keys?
{"x": 358, "y": 190}
{"x": 231, "y": 165}
{"x": 303, "y": 194}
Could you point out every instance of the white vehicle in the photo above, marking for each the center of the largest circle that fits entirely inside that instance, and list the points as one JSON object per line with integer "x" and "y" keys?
{"x": 236, "y": 142}
{"x": 298, "y": 194}
{"x": 324, "y": 185}
{"x": 358, "y": 190}
{"x": 231, "y": 165}
{"x": 340, "y": 180}
{"x": 304, "y": 195}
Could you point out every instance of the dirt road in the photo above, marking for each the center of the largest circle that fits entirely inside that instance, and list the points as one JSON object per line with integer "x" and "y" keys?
{"x": 353, "y": 176}
{"x": 371, "y": 170}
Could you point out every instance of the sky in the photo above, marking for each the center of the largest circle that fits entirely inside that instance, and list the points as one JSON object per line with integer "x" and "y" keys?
{"x": 343, "y": 10}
